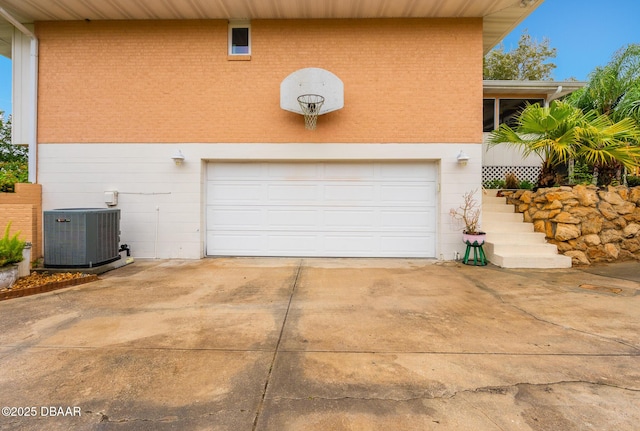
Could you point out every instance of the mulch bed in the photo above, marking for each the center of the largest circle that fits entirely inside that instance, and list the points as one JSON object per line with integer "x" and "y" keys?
{"x": 44, "y": 282}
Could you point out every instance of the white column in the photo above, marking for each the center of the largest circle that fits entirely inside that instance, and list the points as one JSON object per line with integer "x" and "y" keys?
{"x": 24, "y": 53}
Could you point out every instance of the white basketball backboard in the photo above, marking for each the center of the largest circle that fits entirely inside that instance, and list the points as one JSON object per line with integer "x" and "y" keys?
{"x": 312, "y": 80}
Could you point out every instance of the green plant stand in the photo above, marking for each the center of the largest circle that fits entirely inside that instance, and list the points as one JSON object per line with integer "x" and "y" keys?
{"x": 479, "y": 258}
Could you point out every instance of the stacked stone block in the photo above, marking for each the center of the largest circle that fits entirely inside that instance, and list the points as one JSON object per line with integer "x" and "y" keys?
{"x": 585, "y": 222}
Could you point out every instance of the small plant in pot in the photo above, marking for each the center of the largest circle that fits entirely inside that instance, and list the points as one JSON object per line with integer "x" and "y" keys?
{"x": 469, "y": 214}
{"x": 10, "y": 254}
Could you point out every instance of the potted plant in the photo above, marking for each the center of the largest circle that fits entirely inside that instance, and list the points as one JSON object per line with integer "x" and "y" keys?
{"x": 10, "y": 255}
{"x": 469, "y": 214}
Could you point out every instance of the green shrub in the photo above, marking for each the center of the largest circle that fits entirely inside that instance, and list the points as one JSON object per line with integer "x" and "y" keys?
{"x": 494, "y": 184}
{"x": 10, "y": 248}
{"x": 14, "y": 167}
{"x": 12, "y": 173}
{"x": 582, "y": 173}
{"x": 525, "y": 184}
{"x": 633, "y": 181}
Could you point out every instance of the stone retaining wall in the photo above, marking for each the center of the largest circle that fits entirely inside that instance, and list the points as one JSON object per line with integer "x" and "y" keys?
{"x": 585, "y": 222}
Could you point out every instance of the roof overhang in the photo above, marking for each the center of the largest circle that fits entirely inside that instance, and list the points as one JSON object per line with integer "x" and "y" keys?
{"x": 550, "y": 89}
{"x": 499, "y": 16}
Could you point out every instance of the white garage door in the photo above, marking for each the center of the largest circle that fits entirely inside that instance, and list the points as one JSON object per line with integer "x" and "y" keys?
{"x": 321, "y": 209}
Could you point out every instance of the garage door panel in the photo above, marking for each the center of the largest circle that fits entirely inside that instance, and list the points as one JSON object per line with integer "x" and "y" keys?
{"x": 349, "y": 192}
{"x": 292, "y": 193}
{"x": 293, "y": 171}
{"x": 299, "y": 244}
{"x": 224, "y": 218}
{"x": 350, "y": 219}
{"x": 415, "y": 194}
{"x": 230, "y": 171}
{"x": 354, "y": 245}
{"x": 235, "y": 192}
{"x": 240, "y": 243}
{"x": 403, "y": 220}
{"x": 321, "y": 209}
{"x": 408, "y": 172}
{"x": 293, "y": 218}
{"x": 349, "y": 171}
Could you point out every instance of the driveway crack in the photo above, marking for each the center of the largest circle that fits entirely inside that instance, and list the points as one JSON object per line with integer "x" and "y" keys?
{"x": 445, "y": 395}
{"x": 277, "y": 349}
{"x": 480, "y": 285}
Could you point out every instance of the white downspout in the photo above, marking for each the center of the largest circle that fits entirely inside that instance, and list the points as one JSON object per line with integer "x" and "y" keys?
{"x": 33, "y": 93}
{"x": 553, "y": 96}
{"x": 33, "y": 130}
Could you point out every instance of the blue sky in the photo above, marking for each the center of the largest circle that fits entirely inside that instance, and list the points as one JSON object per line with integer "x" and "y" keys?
{"x": 586, "y": 34}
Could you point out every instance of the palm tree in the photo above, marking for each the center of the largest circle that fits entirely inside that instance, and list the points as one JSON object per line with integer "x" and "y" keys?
{"x": 614, "y": 89}
{"x": 561, "y": 132}
{"x": 608, "y": 147}
{"x": 549, "y": 132}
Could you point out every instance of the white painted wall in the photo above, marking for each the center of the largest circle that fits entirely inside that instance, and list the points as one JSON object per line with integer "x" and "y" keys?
{"x": 162, "y": 205}
{"x": 504, "y": 155}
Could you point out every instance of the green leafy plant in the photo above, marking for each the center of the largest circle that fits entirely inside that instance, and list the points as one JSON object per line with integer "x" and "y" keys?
{"x": 494, "y": 184}
{"x": 582, "y": 173}
{"x": 633, "y": 181}
{"x": 526, "y": 185}
{"x": 529, "y": 61}
{"x": 10, "y": 248}
{"x": 12, "y": 173}
{"x": 560, "y": 132}
{"x": 14, "y": 167}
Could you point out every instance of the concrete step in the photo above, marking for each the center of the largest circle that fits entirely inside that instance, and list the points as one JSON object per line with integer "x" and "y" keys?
{"x": 512, "y": 243}
{"x": 531, "y": 261}
{"x": 507, "y": 237}
{"x": 497, "y": 208}
{"x": 500, "y": 226}
{"x": 502, "y": 217}
{"x": 489, "y": 196}
{"x": 518, "y": 249}
{"x": 494, "y": 200}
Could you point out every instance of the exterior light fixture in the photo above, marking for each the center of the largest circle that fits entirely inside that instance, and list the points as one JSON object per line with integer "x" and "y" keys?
{"x": 526, "y": 3}
{"x": 178, "y": 157}
{"x": 463, "y": 158}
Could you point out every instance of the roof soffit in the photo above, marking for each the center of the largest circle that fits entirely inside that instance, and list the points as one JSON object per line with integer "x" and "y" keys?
{"x": 500, "y": 16}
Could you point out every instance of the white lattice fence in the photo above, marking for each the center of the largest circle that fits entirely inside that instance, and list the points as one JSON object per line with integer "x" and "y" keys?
{"x": 529, "y": 173}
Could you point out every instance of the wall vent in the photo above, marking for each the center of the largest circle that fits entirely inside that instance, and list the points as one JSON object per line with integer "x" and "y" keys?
{"x": 81, "y": 237}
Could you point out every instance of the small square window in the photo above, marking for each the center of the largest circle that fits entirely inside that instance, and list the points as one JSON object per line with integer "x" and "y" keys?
{"x": 239, "y": 39}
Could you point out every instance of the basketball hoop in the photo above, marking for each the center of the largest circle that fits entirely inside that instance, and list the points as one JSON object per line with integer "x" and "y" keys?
{"x": 310, "y": 105}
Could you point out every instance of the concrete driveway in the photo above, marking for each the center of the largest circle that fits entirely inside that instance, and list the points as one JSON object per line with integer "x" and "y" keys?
{"x": 325, "y": 344}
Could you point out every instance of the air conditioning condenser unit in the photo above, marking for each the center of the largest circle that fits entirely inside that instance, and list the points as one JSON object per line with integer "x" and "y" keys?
{"x": 81, "y": 237}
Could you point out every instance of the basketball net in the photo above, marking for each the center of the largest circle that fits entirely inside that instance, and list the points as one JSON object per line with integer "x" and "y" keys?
{"x": 310, "y": 105}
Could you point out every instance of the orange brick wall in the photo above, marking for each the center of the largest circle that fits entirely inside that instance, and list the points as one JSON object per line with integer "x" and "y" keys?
{"x": 417, "y": 80}
{"x": 23, "y": 209}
